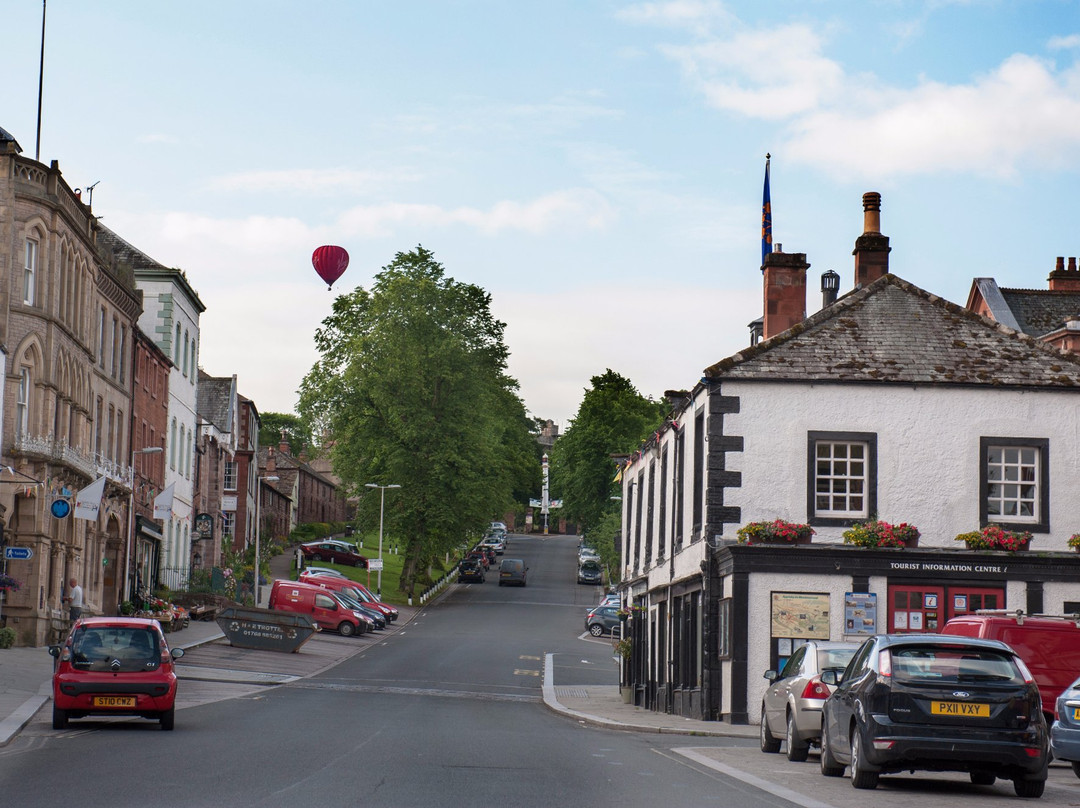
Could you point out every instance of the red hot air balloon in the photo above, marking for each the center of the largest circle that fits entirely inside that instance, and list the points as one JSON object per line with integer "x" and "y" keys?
{"x": 330, "y": 262}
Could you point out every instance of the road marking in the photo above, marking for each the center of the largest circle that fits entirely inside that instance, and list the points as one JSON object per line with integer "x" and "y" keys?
{"x": 793, "y": 797}
{"x": 530, "y": 657}
{"x": 520, "y": 672}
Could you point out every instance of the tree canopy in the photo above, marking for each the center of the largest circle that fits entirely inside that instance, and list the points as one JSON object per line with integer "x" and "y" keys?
{"x": 613, "y": 418}
{"x": 274, "y": 427}
{"x": 412, "y": 386}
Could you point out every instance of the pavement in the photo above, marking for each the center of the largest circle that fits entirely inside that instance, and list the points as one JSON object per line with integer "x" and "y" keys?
{"x": 226, "y": 672}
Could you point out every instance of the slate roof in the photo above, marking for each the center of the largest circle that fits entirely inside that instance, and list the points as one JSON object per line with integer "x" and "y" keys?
{"x": 1041, "y": 311}
{"x": 125, "y": 253}
{"x": 216, "y": 400}
{"x": 893, "y": 331}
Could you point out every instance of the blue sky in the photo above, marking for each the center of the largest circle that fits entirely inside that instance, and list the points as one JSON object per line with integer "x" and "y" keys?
{"x": 596, "y": 166}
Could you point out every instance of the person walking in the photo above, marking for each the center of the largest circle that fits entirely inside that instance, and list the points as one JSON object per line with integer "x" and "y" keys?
{"x": 74, "y": 600}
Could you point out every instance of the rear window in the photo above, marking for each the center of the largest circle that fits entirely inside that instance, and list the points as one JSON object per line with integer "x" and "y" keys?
{"x": 115, "y": 648}
{"x": 953, "y": 665}
{"x": 512, "y": 566}
{"x": 835, "y": 658}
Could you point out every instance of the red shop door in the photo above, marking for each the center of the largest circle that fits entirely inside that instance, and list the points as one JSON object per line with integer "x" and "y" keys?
{"x": 915, "y": 608}
{"x": 968, "y": 599}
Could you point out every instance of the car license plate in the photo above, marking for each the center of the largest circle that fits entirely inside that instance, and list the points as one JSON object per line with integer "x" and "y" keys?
{"x": 1076, "y": 713}
{"x": 960, "y": 708}
{"x": 113, "y": 701}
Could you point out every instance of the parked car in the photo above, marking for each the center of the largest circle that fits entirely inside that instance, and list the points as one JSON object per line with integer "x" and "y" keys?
{"x": 499, "y": 527}
{"x": 338, "y": 552}
{"x": 602, "y": 620}
{"x": 354, "y": 588}
{"x": 496, "y": 543}
{"x": 590, "y": 572}
{"x": 610, "y": 599}
{"x": 480, "y": 556}
{"x": 327, "y": 611}
{"x": 492, "y": 556}
{"x": 310, "y": 570}
{"x": 513, "y": 572}
{"x": 376, "y": 620}
{"x": 934, "y": 702}
{"x": 1065, "y": 731}
{"x": 1049, "y": 646}
{"x": 114, "y": 666}
{"x": 791, "y": 706}
{"x": 470, "y": 570}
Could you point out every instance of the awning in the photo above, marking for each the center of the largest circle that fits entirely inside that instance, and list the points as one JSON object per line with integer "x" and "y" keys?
{"x": 144, "y": 527}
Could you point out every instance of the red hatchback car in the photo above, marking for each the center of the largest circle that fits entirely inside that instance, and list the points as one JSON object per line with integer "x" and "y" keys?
{"x": 337, "y": 552}
{"x": 114, "y": 666}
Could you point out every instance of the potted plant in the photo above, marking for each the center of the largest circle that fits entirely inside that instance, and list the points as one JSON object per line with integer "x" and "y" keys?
{"x": 1074, "y": 541}
{"x": 876, "y": 533}
{"x": 775, "y": 532}
{"x": 995, "y": 537}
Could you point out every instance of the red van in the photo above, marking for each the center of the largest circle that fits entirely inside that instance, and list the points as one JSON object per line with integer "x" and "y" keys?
{"x": 355, "y": 588}
{"x": 326, "y": 610}
{"x": 1049, "y": 646}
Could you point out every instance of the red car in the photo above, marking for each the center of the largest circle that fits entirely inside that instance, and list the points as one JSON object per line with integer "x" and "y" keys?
{"x": 337, "y": 552}
{"x": 355, "y": 588}
{"x": 114, "y": 666}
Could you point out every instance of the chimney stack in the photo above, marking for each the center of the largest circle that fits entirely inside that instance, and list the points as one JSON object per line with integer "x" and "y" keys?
{"x": 871, "y": 248}
{"x": 785, "y": 291}
{"x": 1065, "y": 280}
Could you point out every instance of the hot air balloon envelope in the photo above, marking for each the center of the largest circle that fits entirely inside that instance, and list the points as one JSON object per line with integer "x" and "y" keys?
{"x": 330, "y": 262}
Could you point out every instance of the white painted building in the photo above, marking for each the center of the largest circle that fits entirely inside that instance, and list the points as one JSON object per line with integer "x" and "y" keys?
{"x": 889, "y": 403}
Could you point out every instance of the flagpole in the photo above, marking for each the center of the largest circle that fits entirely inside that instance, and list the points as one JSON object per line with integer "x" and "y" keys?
{"x": 41, "y": 84}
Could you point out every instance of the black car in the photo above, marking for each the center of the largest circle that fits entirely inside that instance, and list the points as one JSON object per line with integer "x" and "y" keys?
{"x": 590, "y": 572}
{"x": 935, "y": 702}
{"x": 470, "y": 569}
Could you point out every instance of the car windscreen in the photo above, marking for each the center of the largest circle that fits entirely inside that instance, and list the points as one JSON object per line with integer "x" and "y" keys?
{"x": 115, "y": 648}
{"x": 931, "y": 664}
{"x": 835, "y": 658}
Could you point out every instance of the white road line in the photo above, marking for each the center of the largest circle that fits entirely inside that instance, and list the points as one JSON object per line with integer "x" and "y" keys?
{"x": 764, "y": 785}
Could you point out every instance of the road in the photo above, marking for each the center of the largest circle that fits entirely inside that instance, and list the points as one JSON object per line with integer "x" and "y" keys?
{"x": 445, "y": 712}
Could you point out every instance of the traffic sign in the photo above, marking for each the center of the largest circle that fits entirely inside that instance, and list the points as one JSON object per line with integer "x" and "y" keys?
{"x": 375, "y": 564}
{"x": 20, "y": 553}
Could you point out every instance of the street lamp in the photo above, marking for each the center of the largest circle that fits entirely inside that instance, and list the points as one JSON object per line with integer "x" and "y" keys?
{"x": 382, "y": 502}
{"x": 258, "y": 527}
{"x": 131, "y": 516}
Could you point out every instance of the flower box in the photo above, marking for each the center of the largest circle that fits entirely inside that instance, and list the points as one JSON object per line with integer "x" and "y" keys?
{"x": 775, "y": 532}
{"x": 993, "y": 537}
{"x": 876, "y": 533}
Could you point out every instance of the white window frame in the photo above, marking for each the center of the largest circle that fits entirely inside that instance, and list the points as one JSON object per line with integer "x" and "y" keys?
{"x": 231, "y": 467}
{"x": 1015, "y": 478}
{"x": 22, "y": 403}
{"x": 31, "y": 260}
{"x": 841, "y": 477}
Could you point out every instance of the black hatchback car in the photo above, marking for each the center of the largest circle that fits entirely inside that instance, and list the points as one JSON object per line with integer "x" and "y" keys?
{"x": 470, "y": 569}
{"x": 935, "y": 703}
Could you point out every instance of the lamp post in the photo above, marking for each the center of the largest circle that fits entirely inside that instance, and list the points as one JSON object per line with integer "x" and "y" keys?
{"x": 258, "y": 526}
{"x": 131, "y": 516}
{"x": 382, "y": 502}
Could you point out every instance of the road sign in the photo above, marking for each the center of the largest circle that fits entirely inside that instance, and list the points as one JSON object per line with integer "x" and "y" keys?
{"x": 20, "y": 553}
{"x": 374, "y": 564}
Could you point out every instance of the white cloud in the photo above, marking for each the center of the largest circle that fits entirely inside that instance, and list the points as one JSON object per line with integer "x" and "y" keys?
{"x": 1023, "y": 110}
{"x": 313, "y": 181}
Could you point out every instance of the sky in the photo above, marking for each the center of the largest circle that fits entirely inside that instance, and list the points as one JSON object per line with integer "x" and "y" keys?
{"x": 597, "y": 167}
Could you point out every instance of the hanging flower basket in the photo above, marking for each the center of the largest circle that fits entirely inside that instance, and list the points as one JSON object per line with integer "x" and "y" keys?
{"x": 1074, "y": 542}
{"x": 993, "y": 537}
{"x": 7, "y": 582}
{"x": 775, "y": 532}
{"x": 876, "y": 533}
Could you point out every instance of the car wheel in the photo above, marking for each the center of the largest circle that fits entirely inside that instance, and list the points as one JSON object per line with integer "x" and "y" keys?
{"x": 769, "y": 744}
{"x": 797, "y": 748}
{"x": 1076, "y": 768}
{"x": 1029, "y": 789}
{"x": 982, "y": 778}
{"x": 596, "y": 629}
{"x": 316, "y": 557}
{"x": 860, "y": 778}
{"x": 168, "y": 718}
{"x": 829, "y": 765}
{"x": 346, "y": 629}
{"x": 59, "y": 718}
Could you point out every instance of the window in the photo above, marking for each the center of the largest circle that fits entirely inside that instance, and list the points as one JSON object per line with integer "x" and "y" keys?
{"x": 176, "y": 347}
{"x": 228, "y": 519}
{"x": 172, "y": 445}
{"x": 662, "y": 549}
{"x": 699, "y": 474}
{"x": 122, "y": 352}
{"x": 1015, "y": 478}
{"x": 101, "y": 337}
{"x": 113, "y": 368}
{"x": 22, "y": 404}
{"x": 842, "y": 477}
{"x": 230, "y": 475}
{"x": 30, "y": 265}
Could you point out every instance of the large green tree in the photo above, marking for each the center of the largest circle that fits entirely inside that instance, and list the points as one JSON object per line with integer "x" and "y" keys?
{"x": 274, "y": 427}
{"x": 412, "y": 386}
{"x": 613, "y": 418}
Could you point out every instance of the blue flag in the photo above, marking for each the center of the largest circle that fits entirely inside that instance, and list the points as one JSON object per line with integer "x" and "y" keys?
{"x": 766, "y": 216}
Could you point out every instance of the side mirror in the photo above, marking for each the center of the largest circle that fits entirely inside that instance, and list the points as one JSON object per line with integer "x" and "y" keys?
{"x": 772, "y": 676}
{"x": 54, "y": 651}
{"x": 177, "y": 653}
{"x": 831, "y": 676}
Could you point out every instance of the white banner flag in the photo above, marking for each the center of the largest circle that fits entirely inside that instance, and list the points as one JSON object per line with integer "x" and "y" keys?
{"x": 88, "y": 501}
{"x": 163, "y": 503}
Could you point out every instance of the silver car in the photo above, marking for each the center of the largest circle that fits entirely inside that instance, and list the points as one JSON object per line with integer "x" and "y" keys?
{"x": 791, "y": 706}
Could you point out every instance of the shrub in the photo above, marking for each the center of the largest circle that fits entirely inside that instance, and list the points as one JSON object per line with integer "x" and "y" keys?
{"x": 876, "y": 533}
{"x": 7, "y": 637}
{"x": 775, "y": 532}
